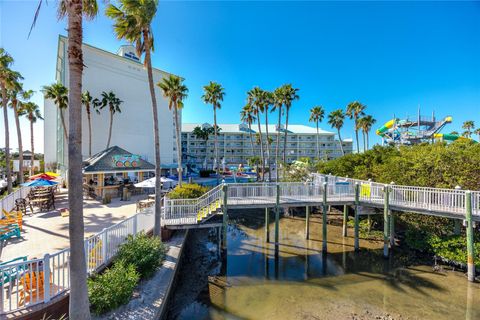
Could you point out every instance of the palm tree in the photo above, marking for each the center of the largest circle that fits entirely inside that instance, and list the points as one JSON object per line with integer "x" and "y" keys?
{"x": 267, "y": 99}
{"x": 133, "y": 19}
{"x": 316, "y": 115}
{"x": 354, "y": 111}
{"x": 32, "y": 112}
{"x": 468, "y": 126}
{"x": 8, "y": 80}
{"x": 290, "y": 95}
{"x": 336, "y": 119}
{"x": 203, "y": 133}
{"x": 254, "y": 98}
{"x": 89, "y": 103}
{"x": 113, "y": 102}
{"x": 477, "y": 132}
{"x": 59, "y": 94}
{"x": 213, "y": 94}
{"x": 278, "y": 102}
{"x": 246, "y": 116}
{"x": 174, "y": 90}
{"x": 455, "y": 133}
{"x": 75, "y": 10}
{"x": 365, "y": 123}
{"x": 14, "y": 95}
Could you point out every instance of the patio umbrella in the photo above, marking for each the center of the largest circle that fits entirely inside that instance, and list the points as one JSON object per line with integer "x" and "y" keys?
{"x": 150, "y": 183}
{"x": 40, "y": 183}
{"x": 43, "y": 176}
{"x": 52, "y": 174}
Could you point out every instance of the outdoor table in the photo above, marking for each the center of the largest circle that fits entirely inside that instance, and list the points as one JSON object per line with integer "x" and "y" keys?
{"x": 151, "y": 197}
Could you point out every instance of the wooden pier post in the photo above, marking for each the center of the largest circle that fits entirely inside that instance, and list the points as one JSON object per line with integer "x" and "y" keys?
{"x": 345, "y": 220}
{"x": 277, "y": 214}
{"x": 225, "y": 217}
{"x": 457, "y": 228}
{"x": 386, "y": 220}
{"x": 470, "y": 247}
{"x": 324, "y": 218}
{"x": 307, "y": 222}
{"x": 267, "y": 225}
{"x": 392, "y": 229}
{"x": 356, "y": 226}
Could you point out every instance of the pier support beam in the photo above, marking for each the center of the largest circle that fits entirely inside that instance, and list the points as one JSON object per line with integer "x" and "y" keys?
{"x": 277, "y": 215}
{"x": 386, "y": 220}
{"x": 225, "y": 217}
{"x": 345, "y": 220}
{"x": 457, "y": 227}
{"x": 324, "y": 218}
{"x": 356, "y": 244}
{"x": 267, "y": 225}
{"x": 470, "y": 247}
{"x": 307, "y": 222}
{"x": 392, "y": 228}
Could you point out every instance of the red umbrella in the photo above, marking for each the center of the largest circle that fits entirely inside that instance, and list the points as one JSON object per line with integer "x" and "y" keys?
{"x": 43, "y": 176}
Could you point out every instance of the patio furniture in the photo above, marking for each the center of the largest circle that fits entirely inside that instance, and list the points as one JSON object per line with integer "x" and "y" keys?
{"x": 21, "y": 205}
{"x": 95, "y": 256}
{"x": 143, "y": 204}
{"x": 11, "y": 273}
{"x": 9, "y": 231}
{"x": 33, "y": 287}
{"x": 14, "y": 217}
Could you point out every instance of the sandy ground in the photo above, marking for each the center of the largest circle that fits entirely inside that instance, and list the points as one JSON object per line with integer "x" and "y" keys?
{"x": 47, "y": 232}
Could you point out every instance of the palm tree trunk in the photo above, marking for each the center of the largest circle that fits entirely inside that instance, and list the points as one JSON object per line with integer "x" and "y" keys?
{"x": 278, "y": 142}
{"x": 262, "y": 155}
{"x": 20, "y": 143}
{"x": 158, "y": 170}
{"x": 215, "y": 141}
{"x": 268, "y": 146}
{"x": 356, "y": 137}
{"x": 89, "y": 117}
{"x": 368, "y": 144}
{"x": 341, "y": 143}
{"x": 318, "y": 147}
{"x": 251, "y": 138}
{"x": 63, "y": 124}
{"x": 364, "y": 141}
{"x": 7, "y": 139}
{"x": 285, "y": 137}
{"x": 32, "y": 160}
{"x": 79, "y": 305}
{"x": 110, "y": 130}
{"x": 179, "y": 145}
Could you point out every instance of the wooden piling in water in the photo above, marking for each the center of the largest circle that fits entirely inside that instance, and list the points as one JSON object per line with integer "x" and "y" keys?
{"x": 356, "y": 244}
{"x": 386, "y": 220}
{"x": 392, "y": 229}
{"x": 470, "y": 247}
{"x": 307, "y": 222}
{"x": 457, "y": 227}
{"x": 345, "y": 220}
{"x": 225, "y": 217}
{"x": 267, "y": 225}
{"x": 324, "y": 218}
{"x": 277, "y": 214}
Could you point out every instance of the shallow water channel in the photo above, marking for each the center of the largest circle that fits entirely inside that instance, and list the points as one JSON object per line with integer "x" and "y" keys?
{"x": 250, "y": 282}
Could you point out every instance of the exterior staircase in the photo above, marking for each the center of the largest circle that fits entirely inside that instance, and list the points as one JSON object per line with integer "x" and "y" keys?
{"x": 209, "y": 211}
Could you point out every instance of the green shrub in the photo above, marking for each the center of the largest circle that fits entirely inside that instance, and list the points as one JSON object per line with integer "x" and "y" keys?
{"x": 144, "y": 252}
{"x": 112, "y": 288}
{"x": 187, "y": 191}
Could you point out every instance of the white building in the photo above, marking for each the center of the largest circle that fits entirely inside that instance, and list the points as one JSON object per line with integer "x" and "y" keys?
{"x": 132, "y": 130}
{"x": 235, "y": 146}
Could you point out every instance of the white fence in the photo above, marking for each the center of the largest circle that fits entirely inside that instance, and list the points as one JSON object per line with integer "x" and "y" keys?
{"x": 8, "y": 203}
{"x": 30, "y": 282}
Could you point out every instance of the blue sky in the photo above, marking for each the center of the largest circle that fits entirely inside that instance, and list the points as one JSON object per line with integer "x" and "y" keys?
{"x": 392, "y": 56}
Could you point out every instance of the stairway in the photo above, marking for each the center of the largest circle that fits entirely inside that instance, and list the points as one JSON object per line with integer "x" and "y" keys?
{"x": 209, "y": 210}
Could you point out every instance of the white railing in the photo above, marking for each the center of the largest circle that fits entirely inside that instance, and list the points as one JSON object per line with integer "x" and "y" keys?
{"x": 31, "y": 282}
{"x": 8, "y": 203}
{"x": 185, "y": 211}
{"x": 251, "y": 193}
{"x": 476, "y": 203}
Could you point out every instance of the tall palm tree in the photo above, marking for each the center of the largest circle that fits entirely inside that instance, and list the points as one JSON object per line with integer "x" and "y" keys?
{"x": 8, "y": 80}
{"x": 354, "y": 111}
{"x": 246, "y": 116}
{"x": 254, "y": 98}
{"x": 32, "y": 112}
{"x": 133, "y": 22}
{"x": 278, "y": 102}
{"x": 89, "y": 103}
{"x": 15, "y": 94}
{"x": 203, "y": 133}
{"x": 75, "y": 11}
{"x": 290, "y": 95}
{"x": 266, "y": 99}
{"x": 110, "y": 100}
{"x": 59, "y": 94}
{"x": 317, "y": 114}
{"x": 175, "y": 91}
{"x": 477, "y": 132}
{"x": 365, "y": 123}
{"x": 336, "y": 119}
{"x": 213, "y": 94}
{"x": 468, "y": 126}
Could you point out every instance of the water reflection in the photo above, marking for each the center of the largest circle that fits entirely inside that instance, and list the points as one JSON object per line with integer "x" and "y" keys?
{"x": 295, "y": 279}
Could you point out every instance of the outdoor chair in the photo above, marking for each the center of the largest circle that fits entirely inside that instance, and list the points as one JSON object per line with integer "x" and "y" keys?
{"x": 33, "y": 287}
{"x": 9, "y": 231}
{"x": 21, "y": 205}
{"x": 95, "y": 257}
{"x": 10, "y": 274}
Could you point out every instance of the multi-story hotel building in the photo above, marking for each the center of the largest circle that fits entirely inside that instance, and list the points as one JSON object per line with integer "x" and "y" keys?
{"x": 235, "y": 146}
{"x": 132, "y": 130}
